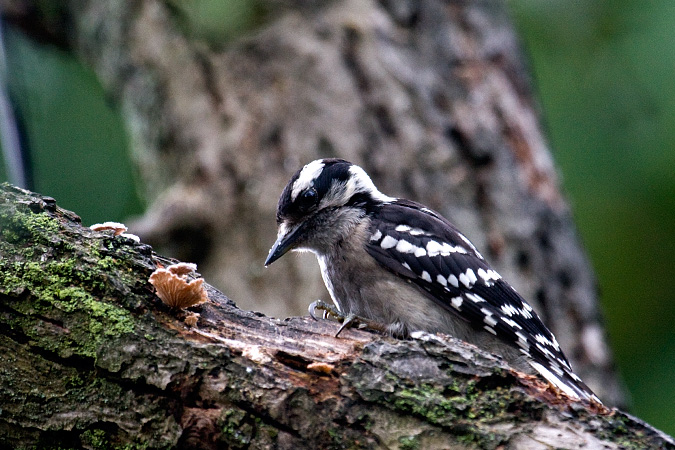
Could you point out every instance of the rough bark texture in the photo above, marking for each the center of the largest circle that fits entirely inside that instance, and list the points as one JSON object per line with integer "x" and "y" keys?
{"x": 432, "y": 98}
{"x": 91, "y": 358}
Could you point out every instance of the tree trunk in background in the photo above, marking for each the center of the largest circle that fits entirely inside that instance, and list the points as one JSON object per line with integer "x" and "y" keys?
{"x": 91, "y": 358}
{"x": 432, "y": 98}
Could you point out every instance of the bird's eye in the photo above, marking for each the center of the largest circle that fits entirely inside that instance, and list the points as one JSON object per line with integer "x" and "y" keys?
{"x": 308, "y": 199}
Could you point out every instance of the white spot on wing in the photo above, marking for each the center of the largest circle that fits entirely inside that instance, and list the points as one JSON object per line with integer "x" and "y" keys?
{"x": 376, "y": 236}
{"x": 488, "y": 319}
{"x": 510, "y": 310}
{"x": 525, "y": 312}
{"x": 474, "y": 298}
{"x": 488, "y": 276}
{"x": 404, "y": 246}
{"x": 457, "y": 302}
{"x": 388, "y": 242}
{"x": 490, "y": 329}
{"x": 419, "y": 252}
{"x": 444, "y": 249}
{"x": 426, "y": 277}
{"x": 453, "y": 281}
{"x": 542, "y": 339}
{"x": 512, "y": 323}
{"x": 410, "y": 230}
{"x": 441, "y": 279}
{"x": 471, "y": 276}
{"x": 545, "y": 351}
{"x": 433, "y": 248}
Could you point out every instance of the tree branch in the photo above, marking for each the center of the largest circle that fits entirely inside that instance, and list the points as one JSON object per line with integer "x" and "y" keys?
{"x": 91, "y": 358}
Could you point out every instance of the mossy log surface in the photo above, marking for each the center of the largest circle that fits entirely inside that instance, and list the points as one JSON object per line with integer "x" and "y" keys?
{"x": 91, "y": 358}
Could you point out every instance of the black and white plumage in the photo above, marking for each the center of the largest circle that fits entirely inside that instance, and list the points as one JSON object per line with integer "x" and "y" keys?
{"x": 402, "y": 265}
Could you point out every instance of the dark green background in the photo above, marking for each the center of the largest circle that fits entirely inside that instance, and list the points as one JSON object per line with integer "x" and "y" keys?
{"x": 605, "y": 75}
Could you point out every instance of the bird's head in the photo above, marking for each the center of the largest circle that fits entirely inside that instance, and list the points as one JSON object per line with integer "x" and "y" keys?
{"x": 320, "y": 203}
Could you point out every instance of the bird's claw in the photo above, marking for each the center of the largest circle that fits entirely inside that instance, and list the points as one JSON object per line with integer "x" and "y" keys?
{"x": 327, "y": 311}
{"x": 348, "y": 320}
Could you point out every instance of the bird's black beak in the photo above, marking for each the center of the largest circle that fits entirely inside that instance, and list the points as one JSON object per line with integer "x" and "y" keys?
{"x": 286, "y": 238}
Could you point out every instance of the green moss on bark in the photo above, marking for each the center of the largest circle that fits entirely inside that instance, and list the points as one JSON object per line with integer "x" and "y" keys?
{"x": 60, "y": 285}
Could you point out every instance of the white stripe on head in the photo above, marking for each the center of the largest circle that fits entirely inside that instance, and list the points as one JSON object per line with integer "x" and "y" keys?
{"x": 306, "y": 178}
{"x": 361, "y": 182}
{"x": 358, "y": 182}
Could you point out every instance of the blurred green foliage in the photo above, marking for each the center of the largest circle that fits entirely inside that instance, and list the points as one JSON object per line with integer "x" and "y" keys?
{"x": 604, "y": 73}
{"x": 75, "y": 137}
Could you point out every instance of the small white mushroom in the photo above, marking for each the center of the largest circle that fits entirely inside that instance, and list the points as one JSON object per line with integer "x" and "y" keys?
{"x": 117, "y": 227}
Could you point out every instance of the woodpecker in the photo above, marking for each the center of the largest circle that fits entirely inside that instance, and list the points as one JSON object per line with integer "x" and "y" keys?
{"x": 397, "y": 263}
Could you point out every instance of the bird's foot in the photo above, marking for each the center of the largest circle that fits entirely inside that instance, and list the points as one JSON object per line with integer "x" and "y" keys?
{"x": 348, "y": 320}
{"x": 327, "y": 311}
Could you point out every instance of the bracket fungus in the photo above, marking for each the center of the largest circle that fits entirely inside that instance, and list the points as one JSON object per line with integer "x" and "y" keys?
{"x": 173, "y": 287}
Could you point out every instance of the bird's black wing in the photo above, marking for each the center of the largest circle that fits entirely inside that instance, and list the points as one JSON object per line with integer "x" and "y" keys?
{"x": 425, "y": 249}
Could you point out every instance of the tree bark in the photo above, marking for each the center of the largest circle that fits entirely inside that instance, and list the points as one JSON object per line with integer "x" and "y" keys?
{"x": 91, "y": 358}
{"x": 432, "y": 98}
